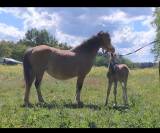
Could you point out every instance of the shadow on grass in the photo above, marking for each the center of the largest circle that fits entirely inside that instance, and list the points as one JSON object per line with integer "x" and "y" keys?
{"x": 74, "y": 106}
{"x": 121, "y": 108}
{"x": 54, "y": 104}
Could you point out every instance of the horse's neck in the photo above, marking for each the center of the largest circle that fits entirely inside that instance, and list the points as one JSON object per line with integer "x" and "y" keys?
{"x": 112, "y": 65}
{"x": 87, "y": 48}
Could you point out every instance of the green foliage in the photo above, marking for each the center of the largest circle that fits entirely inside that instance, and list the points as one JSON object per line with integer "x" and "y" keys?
{"x": 5, "y": 49}
{"x": 36, "y": 37}
{"x": 18, "y": 51}
{"x": 126, "y": 61}
{"x": 101, "y": 60}
{"x": 156, "y": 22}
{"x": 60, "y": 110}
{"x": 32, "y": 38}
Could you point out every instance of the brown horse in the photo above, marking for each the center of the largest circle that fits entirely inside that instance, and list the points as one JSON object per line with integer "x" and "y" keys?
{"x": 117, "y": 72}
{"x": 62, "y": 64}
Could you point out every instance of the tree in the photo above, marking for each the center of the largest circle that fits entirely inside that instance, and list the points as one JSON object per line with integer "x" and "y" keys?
{"x": 5, "y": 49}
{"x": 156, "y": 22}
{"x": 18, "y": 51}
{"x": 32, "y": 38}
{"x": 36, "y": 37}
{"x": 101, "y": 60}
{"x": 126, "y": 61}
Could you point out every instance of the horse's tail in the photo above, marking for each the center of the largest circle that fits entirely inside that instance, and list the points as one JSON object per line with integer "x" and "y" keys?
{"x": 27, "y": 68}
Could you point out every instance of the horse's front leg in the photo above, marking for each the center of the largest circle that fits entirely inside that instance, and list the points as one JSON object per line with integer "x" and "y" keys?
{"x": 37, "y": 85}
{"x": 78, "y": 90}
{"x": 124, "y": 88}
{"x": 108, "y": 91}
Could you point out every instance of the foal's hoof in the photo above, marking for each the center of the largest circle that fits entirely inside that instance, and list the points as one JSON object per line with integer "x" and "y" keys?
{"x": 126, "y": 106}
{"x": 80, "y": 104}
{"x": 42, "y": 103}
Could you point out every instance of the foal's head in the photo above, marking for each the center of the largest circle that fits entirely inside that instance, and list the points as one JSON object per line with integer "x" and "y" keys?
{"x": 113, "y": 56}
{"x": 106, "y": 41}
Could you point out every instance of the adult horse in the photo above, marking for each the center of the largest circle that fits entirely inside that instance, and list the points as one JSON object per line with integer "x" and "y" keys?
{"x": 62, "y": 64}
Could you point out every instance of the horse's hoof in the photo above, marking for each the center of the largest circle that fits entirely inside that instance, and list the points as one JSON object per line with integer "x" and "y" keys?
{"x": 114, "y": 105}
{"x": 106, "y": 104}
{"x": 80, "y": 104}
{"x": 27, "y": 105}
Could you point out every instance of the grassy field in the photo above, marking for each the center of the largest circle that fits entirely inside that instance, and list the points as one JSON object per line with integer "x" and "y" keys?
{"x": 60, "y": 110}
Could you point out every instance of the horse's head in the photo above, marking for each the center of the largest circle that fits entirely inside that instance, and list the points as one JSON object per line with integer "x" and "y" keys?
{"x": 106, "y": 41}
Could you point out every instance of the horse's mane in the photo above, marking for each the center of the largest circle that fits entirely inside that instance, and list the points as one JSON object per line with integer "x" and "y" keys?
{"x": 87, "y": 45}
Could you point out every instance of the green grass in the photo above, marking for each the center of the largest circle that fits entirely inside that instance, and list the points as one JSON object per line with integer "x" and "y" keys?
{"x": 61, "y": 110}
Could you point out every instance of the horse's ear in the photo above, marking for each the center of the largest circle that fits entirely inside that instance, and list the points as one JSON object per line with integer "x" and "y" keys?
{"x": 100, "y": 33}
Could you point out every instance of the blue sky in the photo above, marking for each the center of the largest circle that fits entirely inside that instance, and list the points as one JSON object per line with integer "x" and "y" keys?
{"x": 129, "y": 27}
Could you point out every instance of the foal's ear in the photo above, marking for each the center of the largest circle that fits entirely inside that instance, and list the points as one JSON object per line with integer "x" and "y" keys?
{"x": 111, "y": 54}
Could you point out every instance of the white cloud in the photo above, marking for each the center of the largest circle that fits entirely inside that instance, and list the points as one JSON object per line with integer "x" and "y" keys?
{"x": 120, "y": 16}
{"x": 135, "y": 39}
{"x": 153, "y": 9}
{"x": 15, "y": 11}
{"x": 70, "y": 39}
{"x": 11, "y": 31}
{"x": 43, "y": 19}
{"x": 123, "y": 34}
{"x": 33, "y": 18}
{"x": 148, "y": 21}
{"x": 82, "y": 17}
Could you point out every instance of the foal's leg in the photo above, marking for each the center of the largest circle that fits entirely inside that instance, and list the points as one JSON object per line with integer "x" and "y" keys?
{"x": 37, "y": 85}
{"x": 115, "y": 93}
{"x": 108, "y": 91}
{"x": 125, "y": 98}
{"x": 78, "y": 90}
{"x": 28, "y": 85}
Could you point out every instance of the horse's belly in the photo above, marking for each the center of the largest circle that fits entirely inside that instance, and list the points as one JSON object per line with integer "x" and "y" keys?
{"x": 61, "y": 74}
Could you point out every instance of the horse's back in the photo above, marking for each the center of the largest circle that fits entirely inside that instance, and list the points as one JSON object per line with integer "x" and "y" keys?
{"x": 123, "y": 67}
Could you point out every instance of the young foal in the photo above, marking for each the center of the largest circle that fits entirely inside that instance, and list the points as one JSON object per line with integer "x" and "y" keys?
{"x": 117, "y": 72}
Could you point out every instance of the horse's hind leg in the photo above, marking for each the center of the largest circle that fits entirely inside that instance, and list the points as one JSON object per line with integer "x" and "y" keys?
{"x": 124, "y": 88}
{"x": 37, "y": 85}
{"x": 27, "y": 89}
{"x": 115, "y": 93}
{"x": 78, "y": 90}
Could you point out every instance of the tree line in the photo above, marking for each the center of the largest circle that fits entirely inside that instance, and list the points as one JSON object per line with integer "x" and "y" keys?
{"x": 36, "y": 37}
{"x": 32, "y": 38}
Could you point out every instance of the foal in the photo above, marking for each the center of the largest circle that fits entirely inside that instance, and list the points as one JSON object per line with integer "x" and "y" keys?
{"x": 117, "y": 72}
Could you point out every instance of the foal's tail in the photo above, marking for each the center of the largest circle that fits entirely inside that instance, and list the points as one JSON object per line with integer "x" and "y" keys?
{"x": 27, "y": 66}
